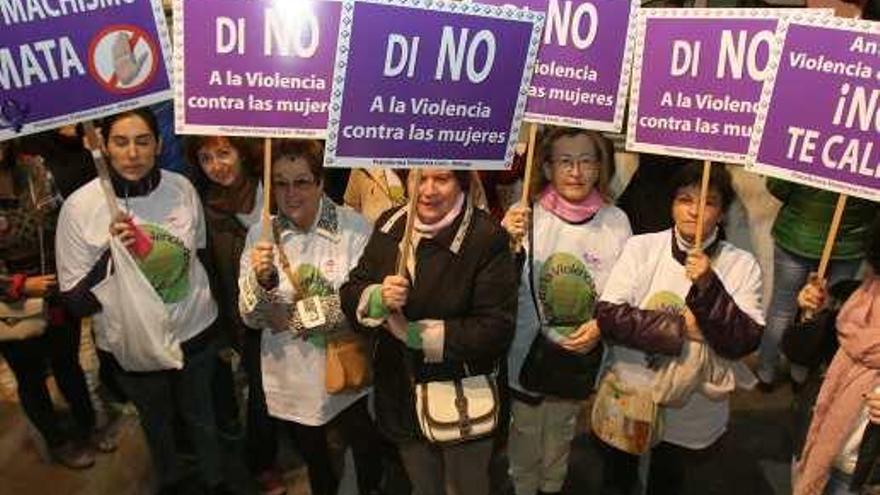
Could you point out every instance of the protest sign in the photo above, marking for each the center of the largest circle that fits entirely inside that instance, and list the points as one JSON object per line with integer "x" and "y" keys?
{"x": 254, "y": 67}
{"x": 448, "y": 88}
{"x": 819, "y": 118}
{"x": 65, "y": 62}
{"x": 697, "y": 79}
{"x": 582, "y": 73}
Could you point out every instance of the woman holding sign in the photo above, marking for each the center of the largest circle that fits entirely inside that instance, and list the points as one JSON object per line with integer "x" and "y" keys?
{"x": 676, "y": 319}
{"x": 799, "y": 234}
{"x": 289, "y": 288}
{"x": 444, "y": 320}
{"x": 839, "y": 343}
{"x": 571, "y": 241}
{"x": 162, "y": 230}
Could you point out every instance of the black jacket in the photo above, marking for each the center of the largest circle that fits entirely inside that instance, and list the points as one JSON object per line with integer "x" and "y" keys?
{"x": 466, "y": 277}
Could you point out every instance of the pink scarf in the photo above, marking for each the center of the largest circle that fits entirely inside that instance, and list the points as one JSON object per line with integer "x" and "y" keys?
{"x": 578, "y": 212}
{"x": 854, "y": 371}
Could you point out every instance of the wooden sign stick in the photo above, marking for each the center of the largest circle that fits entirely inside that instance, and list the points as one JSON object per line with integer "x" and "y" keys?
{"x": 515, "y": 244}
{"x": 530, "y": 164}
{"x": 826, "y": 251}
{"x": 97, "y": 146}
{"x": 406, "y": 242}
{"x": 832, "y": 236}
{"x": 701, "y": 212}
{"x": 266, "y": 216}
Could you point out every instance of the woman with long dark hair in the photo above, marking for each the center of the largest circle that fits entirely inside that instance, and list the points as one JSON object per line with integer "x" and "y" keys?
{"x": 163, "y": 227}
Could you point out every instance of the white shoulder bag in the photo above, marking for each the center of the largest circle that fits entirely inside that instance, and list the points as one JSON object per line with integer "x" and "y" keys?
{"x": 136, "y": 321}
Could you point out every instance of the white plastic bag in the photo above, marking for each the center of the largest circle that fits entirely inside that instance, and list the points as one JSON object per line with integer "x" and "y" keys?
{"x": 136, "y": 322}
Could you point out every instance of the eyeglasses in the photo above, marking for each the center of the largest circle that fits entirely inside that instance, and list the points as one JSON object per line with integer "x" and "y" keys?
{"x": 297, "y": 184}
{"x": 568, "y": 162}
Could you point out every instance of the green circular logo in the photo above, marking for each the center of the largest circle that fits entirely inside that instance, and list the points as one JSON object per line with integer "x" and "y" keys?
{"x": 166, "y": 265}
{"x": 566, "y": 289}
{"x": 666, "y": 301}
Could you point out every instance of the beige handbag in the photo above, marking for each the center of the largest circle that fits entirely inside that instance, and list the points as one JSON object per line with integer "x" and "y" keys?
{"x": 455, "y": 411}
{"x": 22, "y": 319}
{"x": 625, "y": 416}
{"x": 348, "y": 365}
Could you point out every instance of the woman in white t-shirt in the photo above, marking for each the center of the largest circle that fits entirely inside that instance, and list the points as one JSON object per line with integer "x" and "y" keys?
{"x": 576, "y": 237}
{"x": 162, "y": 225}
{"x": 289, "y": 288}
{"x": 667, "y": 302}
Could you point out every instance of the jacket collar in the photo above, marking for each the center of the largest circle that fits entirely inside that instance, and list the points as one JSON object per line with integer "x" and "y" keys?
{"x": 326, "y": 222}
{"x": 125, "y": 188}
{"x": 450, "y": 238}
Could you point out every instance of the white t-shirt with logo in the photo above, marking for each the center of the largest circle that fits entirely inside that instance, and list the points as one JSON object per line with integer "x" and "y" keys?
{"x": 648, "y": 277}
{"x": 171, "y": 215}
{"x": 571, "y": 265}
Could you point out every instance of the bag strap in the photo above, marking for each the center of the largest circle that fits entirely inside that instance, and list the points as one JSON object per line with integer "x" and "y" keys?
{"x": 530, "y": 265}
{"x": 285, "y": 262}
{"x": 39, "y": 217}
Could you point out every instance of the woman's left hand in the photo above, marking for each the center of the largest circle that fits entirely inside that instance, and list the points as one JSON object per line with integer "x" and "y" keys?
{"x": 872, "y": 402}
{"x": 697, "y": 265}
{"x": 397, "y": 325}
{"x": 584, "y": 339}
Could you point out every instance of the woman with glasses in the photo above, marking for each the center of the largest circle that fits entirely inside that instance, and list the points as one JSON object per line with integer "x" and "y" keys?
{"x": 289, "y": 288}
{"x": 570, "y": 242}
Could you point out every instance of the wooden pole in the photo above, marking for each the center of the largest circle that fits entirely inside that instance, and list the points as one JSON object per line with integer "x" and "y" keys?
{"x": 406, "y": 242}
{"x": 266, "y": 217}
{"x": 516, "y": 244}
{"x": 701, "y": 212}
{"x": 530, "y": 164}
{"x": 97, "y": 146}
{"x": 832, "y": 236}
{"x": 826, "y": 251}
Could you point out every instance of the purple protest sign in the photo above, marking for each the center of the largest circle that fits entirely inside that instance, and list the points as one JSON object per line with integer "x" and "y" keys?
{"x": 254, "y": 68}
{"x": 825, "y": 132}
{"x": 697, "y": 79}
{"x": 582, "y": 74}
{"x": 64, "y": 62}
{"x": 427, "y": 83}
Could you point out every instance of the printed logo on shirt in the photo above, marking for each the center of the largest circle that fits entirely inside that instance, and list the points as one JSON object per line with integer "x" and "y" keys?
{"x": 666, "y": 301}
{"x": 166, "y": 265}
{"x": 312, "y": 281}
{"x": 566, "y": 290}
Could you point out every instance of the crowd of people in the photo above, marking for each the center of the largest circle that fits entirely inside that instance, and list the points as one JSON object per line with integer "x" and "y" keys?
{"x": 433, "y": 338}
